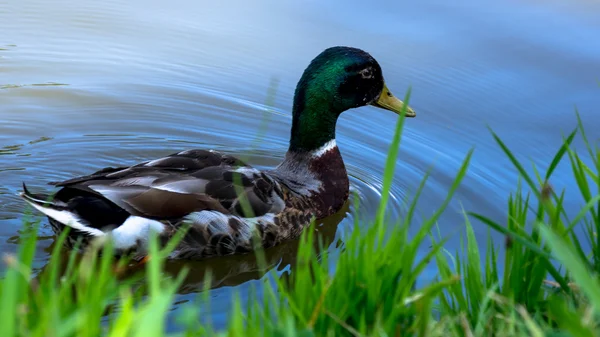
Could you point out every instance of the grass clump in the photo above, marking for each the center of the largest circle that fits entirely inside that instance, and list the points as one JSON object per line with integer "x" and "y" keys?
{"x": 73, "y": 295}
{"x": 549, "y": 285}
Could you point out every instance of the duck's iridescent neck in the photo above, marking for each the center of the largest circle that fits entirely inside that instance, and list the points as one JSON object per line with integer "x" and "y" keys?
{"x": 313, "y": 125}
{"x": 316, "y": 107}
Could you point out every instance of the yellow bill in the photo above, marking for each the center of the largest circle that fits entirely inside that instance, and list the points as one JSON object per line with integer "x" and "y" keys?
{"x": 390, "y": 102}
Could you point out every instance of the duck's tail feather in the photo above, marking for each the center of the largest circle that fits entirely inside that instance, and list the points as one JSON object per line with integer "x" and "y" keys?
{"x": 41, "y": 200}
{"x": 58, "y": 211}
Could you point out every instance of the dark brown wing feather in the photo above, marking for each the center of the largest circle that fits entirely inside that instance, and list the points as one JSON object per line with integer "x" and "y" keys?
{"x": 181, "y": 183}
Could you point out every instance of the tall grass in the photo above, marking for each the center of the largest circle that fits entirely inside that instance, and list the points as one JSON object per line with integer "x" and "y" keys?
{"x": 549, "y": 285}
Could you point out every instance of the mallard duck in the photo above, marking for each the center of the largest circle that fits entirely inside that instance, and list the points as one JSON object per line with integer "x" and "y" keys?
{"x": 222, "y": 201}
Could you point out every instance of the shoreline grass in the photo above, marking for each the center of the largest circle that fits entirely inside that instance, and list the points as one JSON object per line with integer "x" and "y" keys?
{"x": 549, "y": 287}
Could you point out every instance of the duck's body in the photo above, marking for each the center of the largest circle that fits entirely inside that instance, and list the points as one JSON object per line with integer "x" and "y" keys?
{"x": 204, "y": 189}
{"x": 225, "y": 201}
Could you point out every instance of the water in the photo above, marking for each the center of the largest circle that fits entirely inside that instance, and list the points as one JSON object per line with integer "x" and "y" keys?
{"x": 88, "y": 84}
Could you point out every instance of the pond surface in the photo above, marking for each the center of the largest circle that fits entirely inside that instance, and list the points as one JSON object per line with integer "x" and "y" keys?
{"x": 89, "y": 84}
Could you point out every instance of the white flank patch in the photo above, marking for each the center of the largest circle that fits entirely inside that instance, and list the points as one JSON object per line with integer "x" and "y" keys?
{"x": 217, "y": 219}
{"x": 135, "y": 230}
{"x": 330, "y": 145}
{"x": 252, "y": 223}
{"x": 67, "y": 218}
{"x": 219, "y": 222}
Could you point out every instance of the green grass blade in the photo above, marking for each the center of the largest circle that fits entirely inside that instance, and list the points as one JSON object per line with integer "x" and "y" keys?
{"x": 524, "y": 240}
{"x": 582, "y": 276}
{"x": 559, "y": 155}
{"x": 390, "y": 164}
{"x": 517, "y": 164}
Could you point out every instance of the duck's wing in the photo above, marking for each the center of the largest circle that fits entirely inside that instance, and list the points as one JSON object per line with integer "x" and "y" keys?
{"x": 179, "y": 184}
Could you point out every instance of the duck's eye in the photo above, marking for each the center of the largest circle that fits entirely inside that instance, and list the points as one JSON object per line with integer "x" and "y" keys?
{"x": 366, "y": 73}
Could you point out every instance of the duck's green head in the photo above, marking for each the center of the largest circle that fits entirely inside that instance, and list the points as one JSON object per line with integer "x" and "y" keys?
{"x": 338, "y": 79}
